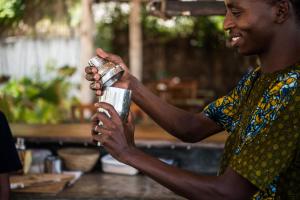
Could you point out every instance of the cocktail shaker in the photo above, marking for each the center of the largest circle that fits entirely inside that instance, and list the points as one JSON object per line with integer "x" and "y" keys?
{"x": 119, "y": 98}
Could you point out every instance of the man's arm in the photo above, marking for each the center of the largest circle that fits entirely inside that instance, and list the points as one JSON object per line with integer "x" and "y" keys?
{"x": 229, "y": 186}
{"x": 117, "y": 138}
{"x": 4, "y": 187}
{"x": 188, "y": 127}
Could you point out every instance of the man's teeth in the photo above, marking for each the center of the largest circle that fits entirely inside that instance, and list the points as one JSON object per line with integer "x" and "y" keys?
{"x": 235, "y": 38}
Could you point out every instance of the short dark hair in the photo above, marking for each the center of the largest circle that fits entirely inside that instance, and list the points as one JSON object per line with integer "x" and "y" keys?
{"x": 296, "y": 6}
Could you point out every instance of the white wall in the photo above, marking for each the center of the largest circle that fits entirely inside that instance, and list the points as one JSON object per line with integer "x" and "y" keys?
{"x": 24, "y": 56}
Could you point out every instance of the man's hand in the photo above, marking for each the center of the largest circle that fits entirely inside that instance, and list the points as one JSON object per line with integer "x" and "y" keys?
{"x": 116, "y": 136}
{"x": 93, "y": 76}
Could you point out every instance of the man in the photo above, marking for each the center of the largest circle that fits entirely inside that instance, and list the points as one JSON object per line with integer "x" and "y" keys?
{"x": 262, "y": 153}
{"x": 9, "y": 160}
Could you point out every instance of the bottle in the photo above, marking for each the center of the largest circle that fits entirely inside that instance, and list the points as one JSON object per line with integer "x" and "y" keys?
{"x": 20, "y": 146}
{"x": 25, "y": 156}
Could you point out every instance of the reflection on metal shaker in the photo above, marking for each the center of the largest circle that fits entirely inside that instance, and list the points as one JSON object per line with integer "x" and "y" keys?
{"x": 119, "y": 98}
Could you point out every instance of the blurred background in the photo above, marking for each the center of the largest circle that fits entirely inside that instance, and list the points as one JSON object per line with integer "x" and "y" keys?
{"x": 177, "y": 48}
{"x": 46, "y": 45}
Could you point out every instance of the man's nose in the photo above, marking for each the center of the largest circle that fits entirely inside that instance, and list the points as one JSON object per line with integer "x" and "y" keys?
{"x": 228, "y": 22}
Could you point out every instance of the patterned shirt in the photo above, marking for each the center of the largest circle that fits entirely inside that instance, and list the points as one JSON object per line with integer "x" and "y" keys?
{"x": 262, "y": 116}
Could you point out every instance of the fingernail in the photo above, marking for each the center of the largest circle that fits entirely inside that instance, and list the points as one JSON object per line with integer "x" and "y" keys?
{"x": 98, "y": 92}
{"x": 95, "y": 129}
{"x": 93, "y": 85}
{"x": 94, "y": 70}
{"x": 96, "y": 104}
{"x": 96, "y": 76}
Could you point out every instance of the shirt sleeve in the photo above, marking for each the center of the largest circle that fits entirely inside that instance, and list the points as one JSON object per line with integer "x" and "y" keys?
{"x": 272, "y": 151}
{"x": 224, "y": 111}
{"x": 9, "y": 159}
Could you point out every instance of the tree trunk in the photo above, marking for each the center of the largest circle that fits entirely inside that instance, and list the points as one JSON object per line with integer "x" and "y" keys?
{"x": 86, "y": 48}
{"x": 135, "y": 39}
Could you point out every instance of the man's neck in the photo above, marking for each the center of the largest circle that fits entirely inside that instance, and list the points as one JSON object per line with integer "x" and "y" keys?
{"x": 284, "y": 51}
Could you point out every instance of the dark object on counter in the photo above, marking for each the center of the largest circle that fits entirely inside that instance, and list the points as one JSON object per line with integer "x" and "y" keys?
{"x": 9, "y": 160}
{"x": 53, "y": 165}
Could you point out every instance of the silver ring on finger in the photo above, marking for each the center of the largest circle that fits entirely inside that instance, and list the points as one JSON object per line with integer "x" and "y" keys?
{"x": 95, "y": 129}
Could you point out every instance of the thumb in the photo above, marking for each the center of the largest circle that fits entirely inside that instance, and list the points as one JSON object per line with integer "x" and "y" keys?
{"x": 110, "y": 57}
{"x": 101, "y": 53}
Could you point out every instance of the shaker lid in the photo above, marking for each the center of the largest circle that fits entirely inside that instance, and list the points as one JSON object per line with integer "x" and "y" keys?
{"x": 112, "y": 76}
{"x": 101, "y": 64}
{"x": 96, "y": 62}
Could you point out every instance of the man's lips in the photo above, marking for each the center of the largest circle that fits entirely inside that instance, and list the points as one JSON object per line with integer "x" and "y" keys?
{"x": 234, "y": 40}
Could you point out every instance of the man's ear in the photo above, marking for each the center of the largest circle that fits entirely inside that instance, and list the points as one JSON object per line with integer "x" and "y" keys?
{"x": 282, "y": 11}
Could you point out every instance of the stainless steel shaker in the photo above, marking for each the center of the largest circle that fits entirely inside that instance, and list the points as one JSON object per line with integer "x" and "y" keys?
{"x": 109, "y": 72}
{"x": 119, "y": 98}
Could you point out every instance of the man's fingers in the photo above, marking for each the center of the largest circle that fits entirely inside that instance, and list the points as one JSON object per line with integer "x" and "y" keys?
{"x": 109, "y": 108}
{"x": 93, "y": 130}
{"x": 91, "y": 70}
{"x": 98, "y": 92}
{"x": 107, "y": 122}
{"x": 101, "y": 129}
{"x": 95, "y": 86}
{"x": 92, "y": 77}
{"x": 102, "y": 138}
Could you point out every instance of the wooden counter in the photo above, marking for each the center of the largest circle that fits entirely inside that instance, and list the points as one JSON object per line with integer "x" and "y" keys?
{"x": 101, "y": 186}
{"x": 80, "y": 132}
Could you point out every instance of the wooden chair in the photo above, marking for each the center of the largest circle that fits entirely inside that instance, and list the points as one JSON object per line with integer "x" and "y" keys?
{"x": 180, "y": 93}
{"x": 174, "y": 88}
{"x": 79, "y": 111}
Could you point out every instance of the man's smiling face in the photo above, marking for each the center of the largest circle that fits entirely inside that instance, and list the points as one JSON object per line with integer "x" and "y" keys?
{"x": 250, "y": 24}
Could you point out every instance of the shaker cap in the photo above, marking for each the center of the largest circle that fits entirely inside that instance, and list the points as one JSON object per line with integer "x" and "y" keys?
{"x": 96, "y": 62}
{"x": 109, "y": 72}
{"x": 112, "y": 76}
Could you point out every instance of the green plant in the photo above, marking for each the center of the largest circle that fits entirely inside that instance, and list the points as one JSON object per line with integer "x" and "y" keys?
{"x": 38, "y": 102}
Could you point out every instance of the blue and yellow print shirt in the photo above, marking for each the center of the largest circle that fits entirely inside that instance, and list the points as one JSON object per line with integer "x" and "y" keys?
{"x": 262, "y": 116}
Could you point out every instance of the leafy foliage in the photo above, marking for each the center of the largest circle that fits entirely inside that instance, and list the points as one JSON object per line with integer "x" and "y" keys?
{"x": 26, "y": 17}
{"x": 37, "y": 102}
{"x": 10, "y": 12}
{"x": 208, "y": 32}
{"x": 201, "y": 30}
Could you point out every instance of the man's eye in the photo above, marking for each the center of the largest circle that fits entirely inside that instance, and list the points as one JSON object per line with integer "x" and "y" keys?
{"x": 236, "y": 13}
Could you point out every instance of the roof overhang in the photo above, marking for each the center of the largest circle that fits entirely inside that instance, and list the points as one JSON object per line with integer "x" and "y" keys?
{"x": 169, "y": 8}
